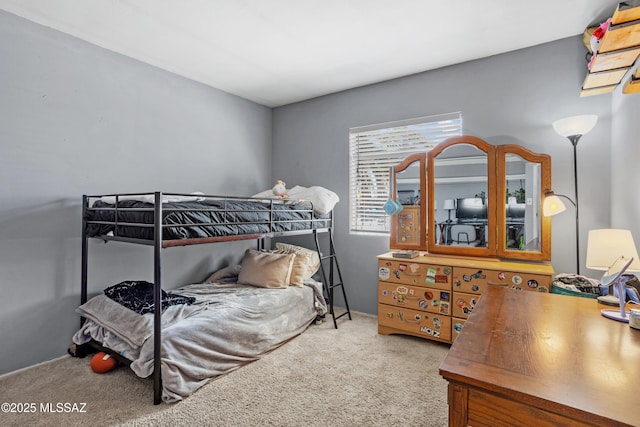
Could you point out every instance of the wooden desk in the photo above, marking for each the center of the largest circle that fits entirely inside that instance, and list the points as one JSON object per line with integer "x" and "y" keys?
{"x": 536, "y": 359}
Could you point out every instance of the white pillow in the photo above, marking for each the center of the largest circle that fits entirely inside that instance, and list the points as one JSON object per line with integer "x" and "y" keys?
{"x": 323, "y": 200}
{"x": 266, "y": 194}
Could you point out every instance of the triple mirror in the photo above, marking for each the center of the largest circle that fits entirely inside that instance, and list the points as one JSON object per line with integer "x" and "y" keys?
{"x": 481, "y": 200}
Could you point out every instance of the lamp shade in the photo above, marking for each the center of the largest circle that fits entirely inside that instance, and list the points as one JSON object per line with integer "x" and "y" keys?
{"x": 552, "y": 205}
{"x": 576, "y": 125}
{"x": 448, "y": 204}
{"x": 606, "y": 246}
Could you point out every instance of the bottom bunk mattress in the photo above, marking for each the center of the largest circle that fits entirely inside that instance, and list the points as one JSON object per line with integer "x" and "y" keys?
{"x": 228, "y": 326}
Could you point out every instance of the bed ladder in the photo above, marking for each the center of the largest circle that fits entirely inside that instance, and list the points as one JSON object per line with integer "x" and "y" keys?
{"x": 331, "y": 262}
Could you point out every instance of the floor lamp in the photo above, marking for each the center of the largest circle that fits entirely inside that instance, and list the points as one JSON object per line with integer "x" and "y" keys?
{"x": 551, "y": 206}
{"x": 574, "y": 128}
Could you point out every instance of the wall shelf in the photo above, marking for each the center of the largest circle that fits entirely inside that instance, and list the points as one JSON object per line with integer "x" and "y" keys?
{"x": 618, "y": 51}
{"x": 623, "y": 58}
{"x": 604, "y": 78}
{"x": 632, "y": 85}
{"x": 621, "y": 36}
{"x": 598, "y": 90}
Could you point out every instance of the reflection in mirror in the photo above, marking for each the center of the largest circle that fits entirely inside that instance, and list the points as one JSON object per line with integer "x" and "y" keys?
{"x": 486, "y": 200}
{"x": 410, "y": 184}
{"x": 460, "y": 190}
{"x": 523, "y": 204}
{"x": 523, "y": 232}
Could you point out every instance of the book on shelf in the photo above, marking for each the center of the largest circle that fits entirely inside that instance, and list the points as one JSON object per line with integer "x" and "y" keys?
{"x": 405, "y": 254}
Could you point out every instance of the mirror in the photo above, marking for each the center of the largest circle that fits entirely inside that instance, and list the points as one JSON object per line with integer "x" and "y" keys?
{"x": 523, "y": 232}
{"x": 461, "y": 200}
{"x": 474, "y": 199}
{"x": 409, "y": 180}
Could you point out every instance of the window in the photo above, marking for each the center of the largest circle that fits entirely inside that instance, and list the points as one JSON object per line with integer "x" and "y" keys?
{"x": 374, "y": 149}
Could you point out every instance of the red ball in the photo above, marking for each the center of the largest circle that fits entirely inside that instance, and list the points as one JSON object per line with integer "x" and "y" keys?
{"x": 103, "y": 362}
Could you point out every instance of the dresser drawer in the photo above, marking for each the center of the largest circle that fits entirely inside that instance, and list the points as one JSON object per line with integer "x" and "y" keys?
{"x": 456, "y": 327}
{"x": 536, "y": 282}
{"x": 407, "y": 272}
{"x": 475, "y": 280}
{"x": 415, "y": 297}
{"x": 418, "y": 323}
{"x": 463, "y": 304}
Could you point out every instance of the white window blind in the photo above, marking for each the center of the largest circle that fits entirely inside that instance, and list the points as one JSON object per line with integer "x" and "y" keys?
{"x": 374, "y": 149}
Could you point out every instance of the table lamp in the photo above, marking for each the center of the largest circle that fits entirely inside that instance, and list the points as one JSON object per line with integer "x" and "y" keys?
{"x": 448, "y": 205}
{"x": 613, "y": 251}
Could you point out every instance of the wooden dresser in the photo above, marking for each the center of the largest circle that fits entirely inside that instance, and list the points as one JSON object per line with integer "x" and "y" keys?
{"x": 431, "y": 296}
{"x": 545, "y": 360}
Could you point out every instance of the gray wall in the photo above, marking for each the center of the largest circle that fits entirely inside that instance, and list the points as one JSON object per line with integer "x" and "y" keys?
{"x": 76, "y": 119}
{"x": 509, "y": 98}
{"x": 625, "y": 173}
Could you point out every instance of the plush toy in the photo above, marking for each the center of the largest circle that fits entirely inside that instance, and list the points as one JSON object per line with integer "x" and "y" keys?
{"x": 280, "y": 189}
{"x": 596, "y": 38}
{"x": 102, "y": 363}
{"x": 598, "y": 34}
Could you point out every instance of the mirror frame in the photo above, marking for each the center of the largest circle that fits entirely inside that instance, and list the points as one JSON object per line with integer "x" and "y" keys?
{"x": 545, "y": 182}
{"x": 422, "y": 210}
{"x": 489, "y": 150}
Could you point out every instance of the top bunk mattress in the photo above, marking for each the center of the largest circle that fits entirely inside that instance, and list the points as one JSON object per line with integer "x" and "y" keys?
{"x": 210, "y": 216}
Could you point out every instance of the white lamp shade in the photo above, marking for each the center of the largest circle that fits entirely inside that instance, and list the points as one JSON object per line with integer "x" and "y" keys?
{"x": 448, "y": 204}
{"x": 606, "y": 246}
{"x": 576, "y": 125}
{"x": 552, "y": 205}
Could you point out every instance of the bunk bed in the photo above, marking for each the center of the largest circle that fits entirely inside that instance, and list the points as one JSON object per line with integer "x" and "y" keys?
{"x": 164, "y": 220}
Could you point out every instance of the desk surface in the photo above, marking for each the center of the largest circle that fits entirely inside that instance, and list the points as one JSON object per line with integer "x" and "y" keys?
{"x": 550, "y": 351}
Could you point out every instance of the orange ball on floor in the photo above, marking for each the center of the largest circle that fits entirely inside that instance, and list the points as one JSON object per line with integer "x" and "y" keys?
{"x": 103, "y": 362}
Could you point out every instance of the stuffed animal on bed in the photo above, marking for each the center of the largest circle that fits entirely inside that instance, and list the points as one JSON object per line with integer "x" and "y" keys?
{"x": 280, "y": 189}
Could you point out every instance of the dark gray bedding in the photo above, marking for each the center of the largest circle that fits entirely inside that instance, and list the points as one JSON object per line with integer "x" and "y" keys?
{"x": 200, "y": 219}
{"x": 228, "y": 326}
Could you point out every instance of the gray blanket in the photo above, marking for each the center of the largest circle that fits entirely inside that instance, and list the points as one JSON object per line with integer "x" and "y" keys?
{"x": 230, "y": 325}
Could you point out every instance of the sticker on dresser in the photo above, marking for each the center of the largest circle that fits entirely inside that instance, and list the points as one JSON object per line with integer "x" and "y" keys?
{"x": 464, "y": 304}
{"x": 415, "y": 273}
{"x": 415, "y": 297}
{"x": 416, "y": 323}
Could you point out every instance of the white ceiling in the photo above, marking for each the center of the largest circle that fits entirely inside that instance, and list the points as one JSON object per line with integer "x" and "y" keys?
{"x": 276, "y": 52}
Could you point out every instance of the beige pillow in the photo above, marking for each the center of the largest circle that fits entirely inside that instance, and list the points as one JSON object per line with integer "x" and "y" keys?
{"x": 300, "y": 268}
{"x": 306, "y": 263}
{"x": 266, "y": 269}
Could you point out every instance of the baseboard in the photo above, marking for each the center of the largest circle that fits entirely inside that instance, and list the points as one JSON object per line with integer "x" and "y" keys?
{"x": 33, "y": 366}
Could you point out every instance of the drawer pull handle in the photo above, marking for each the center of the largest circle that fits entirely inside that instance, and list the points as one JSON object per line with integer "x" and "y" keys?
{"x": 504, "y": 285}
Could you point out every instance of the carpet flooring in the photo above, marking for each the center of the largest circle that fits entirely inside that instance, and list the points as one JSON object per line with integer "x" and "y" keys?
{"x": 325, "y": 377}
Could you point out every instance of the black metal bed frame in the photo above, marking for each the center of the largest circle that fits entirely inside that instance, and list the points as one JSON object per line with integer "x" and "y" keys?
{"x": 330, "y": 280}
